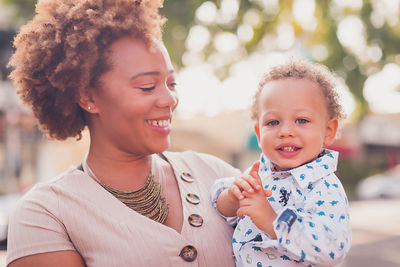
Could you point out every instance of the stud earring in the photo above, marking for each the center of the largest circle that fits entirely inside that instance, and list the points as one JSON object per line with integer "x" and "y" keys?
{"x": 88, "y": 107}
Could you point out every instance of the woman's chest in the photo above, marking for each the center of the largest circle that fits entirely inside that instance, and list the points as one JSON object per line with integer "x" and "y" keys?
{"x": 172, "y": 196}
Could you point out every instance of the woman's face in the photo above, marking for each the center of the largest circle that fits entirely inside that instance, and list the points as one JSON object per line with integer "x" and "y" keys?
{"x": 134, "y": 104}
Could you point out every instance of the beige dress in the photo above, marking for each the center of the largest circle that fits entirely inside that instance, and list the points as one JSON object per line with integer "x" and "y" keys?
{"x": 73, "y": 212}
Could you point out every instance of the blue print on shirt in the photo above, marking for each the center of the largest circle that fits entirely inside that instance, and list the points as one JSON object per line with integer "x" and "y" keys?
{"x": 334, "y": 202}
{"x": 318, "y": 201}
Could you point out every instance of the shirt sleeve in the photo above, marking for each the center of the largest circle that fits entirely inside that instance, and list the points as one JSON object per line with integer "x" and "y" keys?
{"x": 217, "y": 188}
{"x": 35, "y": 227}
{"x": 319, "y": 232}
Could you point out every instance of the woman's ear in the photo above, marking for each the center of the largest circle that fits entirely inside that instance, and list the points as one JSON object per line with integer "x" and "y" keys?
{"x": 330, "y": 131}
{"x": 86, "y": 101}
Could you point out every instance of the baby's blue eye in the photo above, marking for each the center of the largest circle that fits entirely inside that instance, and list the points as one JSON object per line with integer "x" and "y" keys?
{"x": 301, "y": 121}
{"x": 273, "y": 123}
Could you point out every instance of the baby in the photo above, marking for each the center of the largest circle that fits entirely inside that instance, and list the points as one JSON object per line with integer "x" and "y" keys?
{"x": 301, "y": 217}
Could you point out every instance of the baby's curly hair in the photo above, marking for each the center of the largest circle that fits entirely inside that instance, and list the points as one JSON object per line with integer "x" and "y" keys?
{"x": 302, "y": 69}
{"x": 62, "y": 52}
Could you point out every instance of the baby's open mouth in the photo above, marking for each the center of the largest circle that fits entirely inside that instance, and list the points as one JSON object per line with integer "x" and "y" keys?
{"x": 289, "y": 148}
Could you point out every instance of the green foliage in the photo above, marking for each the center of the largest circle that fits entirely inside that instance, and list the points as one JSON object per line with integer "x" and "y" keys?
{"x": 182, "y": 16}
{"x": 25, "y": 9}
{"x": 350, "y": 173}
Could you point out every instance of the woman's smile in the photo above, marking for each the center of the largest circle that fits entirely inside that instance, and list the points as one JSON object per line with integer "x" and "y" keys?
{"x": 160, "y": 125}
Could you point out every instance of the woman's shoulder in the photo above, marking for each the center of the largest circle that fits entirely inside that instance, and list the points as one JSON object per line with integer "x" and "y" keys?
{"x": 36, "y": 223}
{"x": 43, "y": 194}
{"x": 193, "y": 157}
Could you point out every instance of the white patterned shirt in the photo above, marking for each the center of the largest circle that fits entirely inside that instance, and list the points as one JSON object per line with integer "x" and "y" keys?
{"x": 312, "y": 226}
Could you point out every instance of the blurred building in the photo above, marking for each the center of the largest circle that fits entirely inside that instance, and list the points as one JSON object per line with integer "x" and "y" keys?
{"x": 227, "y": 135}
{"x": 380, "y": 134}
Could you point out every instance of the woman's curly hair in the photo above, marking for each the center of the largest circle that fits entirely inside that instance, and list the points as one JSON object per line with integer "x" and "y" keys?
{"x": 302, "y": 69}
{"x": 62, "y": 52}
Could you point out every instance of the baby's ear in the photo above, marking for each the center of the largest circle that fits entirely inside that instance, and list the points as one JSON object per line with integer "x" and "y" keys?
{"x": 257, "y": 131}
{"x": 330, "y": 131}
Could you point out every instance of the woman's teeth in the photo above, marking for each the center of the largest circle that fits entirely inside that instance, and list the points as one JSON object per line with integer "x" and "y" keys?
{"x": 159, "y": 123}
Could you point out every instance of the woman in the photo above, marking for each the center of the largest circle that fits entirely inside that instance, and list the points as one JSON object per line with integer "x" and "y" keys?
{"x": 101, "y": 64}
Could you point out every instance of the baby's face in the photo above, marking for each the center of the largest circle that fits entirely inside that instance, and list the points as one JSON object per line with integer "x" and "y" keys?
{"x": 294, "y": 124}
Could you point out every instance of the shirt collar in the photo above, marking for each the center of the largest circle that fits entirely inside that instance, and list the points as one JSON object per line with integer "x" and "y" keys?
{"x": 305, "y": 174}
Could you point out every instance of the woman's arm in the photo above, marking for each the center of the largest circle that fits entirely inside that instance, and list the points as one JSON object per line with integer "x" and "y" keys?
{"x": 65, "y": 258}
{"x": 36, "y": 233}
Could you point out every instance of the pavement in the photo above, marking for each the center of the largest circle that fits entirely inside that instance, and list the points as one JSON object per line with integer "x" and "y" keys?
{"x": 2, "y": 258}
{"x": 376, "y": 234}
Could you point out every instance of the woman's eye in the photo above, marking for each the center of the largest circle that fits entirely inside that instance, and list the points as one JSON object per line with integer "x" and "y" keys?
{"x": 273, "y": 123}
{"x": 301, "y": 121}
{"x": 172, "y": 85}
{"x": 147, "y": 88}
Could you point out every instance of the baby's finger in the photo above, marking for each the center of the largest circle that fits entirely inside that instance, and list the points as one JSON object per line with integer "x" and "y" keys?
{"x": 252, "y": 181}
{"x": 243, "y": 185}
{"x": 236, "y": 192}
{"x": 254, "y": 172}
{"x": 255, "y": 167}
{"x": 240, "y": 212}
{"x": 267, "y": 192}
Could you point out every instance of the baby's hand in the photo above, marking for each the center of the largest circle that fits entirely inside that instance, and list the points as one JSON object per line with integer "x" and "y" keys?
{"x": 229, "y": 200}
{"x": 245, "y": 183}
{"x": 257, "y": 207}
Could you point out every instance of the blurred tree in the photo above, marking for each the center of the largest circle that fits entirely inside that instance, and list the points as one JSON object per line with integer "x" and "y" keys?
{"x": 24, "y": 10}
{"x": 321, "y": 30}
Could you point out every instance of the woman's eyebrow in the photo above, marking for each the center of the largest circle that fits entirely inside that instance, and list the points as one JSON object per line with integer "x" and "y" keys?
{"x": 149, "y": 73}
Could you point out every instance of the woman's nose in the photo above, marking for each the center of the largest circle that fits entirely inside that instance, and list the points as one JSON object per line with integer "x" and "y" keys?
{"x": 168, "y": 98}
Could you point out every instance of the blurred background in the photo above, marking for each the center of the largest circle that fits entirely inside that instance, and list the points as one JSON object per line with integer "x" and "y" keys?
{"x": 220, "y": 50}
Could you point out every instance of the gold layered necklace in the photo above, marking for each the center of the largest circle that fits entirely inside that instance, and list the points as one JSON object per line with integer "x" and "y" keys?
{"x": 147, "y": 200}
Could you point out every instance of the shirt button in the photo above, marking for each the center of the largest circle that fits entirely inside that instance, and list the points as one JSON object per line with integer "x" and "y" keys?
{"x": 193, "y": 198}
{"x": 195, "y": 220}
{"x": 188, "y": 253}
{"x": 187, "y": 177}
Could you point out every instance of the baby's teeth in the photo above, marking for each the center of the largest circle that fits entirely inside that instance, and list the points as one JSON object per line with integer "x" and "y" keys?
{"x": 288, "y": 149}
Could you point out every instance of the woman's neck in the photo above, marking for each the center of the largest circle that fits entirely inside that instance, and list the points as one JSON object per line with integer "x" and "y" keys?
{"x": 119, "y": 169}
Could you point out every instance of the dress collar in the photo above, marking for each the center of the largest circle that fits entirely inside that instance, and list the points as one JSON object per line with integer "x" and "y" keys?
{"x": 305, "y": 174}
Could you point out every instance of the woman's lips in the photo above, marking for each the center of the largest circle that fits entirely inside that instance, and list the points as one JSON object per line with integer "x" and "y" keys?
{"x": 162, "y": 126}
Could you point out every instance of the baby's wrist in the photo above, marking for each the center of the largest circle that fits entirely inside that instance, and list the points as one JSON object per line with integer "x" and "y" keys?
{"x": 230, "y": 197}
